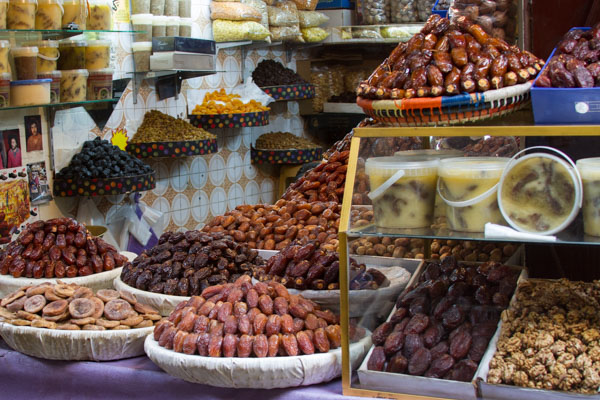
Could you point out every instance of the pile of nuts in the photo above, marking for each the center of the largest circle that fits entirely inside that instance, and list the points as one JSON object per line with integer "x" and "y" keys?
{"x": 303, "y": 266}
{"x": 73, "y": 307}
{"x": 232, "y": 104}
{"x": 388, "y": 247}
{"x": 160, "y": 127}
{"x": 273, "y": 227}
{"x": 283, "y": 140}
{"x": 493, "y": 146}
{"x": 441, "y": 328}
{"x": 496, "y": 17}
{"x": 58, "y": 248}
{"x": 184, "y": 264}
{"x": 242, "y": 320}
{"x": 550, "y": 338}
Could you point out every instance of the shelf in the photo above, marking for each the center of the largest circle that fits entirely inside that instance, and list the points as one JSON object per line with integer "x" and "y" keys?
{"x": 66, "y": 104}
{"x": 516, "y": 130}
{"x": 179, "y": 75}
{"x": 33, "y": 34}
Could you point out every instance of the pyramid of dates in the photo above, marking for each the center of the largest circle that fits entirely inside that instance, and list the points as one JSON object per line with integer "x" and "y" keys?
{"x": 58, "y": 248}
{"x": 448, "y": 58}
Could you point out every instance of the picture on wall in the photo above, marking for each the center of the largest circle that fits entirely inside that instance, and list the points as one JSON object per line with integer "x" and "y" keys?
{"x": 39, "y": 189}
{"x": 33, "y": 133}
{"x": 11, "y": 148}
{"x": 14, "y": 206}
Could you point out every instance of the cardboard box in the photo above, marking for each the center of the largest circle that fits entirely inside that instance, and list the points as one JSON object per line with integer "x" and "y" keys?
{"x": 175, "y": 60}
{"x": 329, "y": 4}
{"x": 339, "y": 17}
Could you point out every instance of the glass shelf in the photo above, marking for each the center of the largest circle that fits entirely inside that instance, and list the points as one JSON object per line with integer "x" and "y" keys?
{"x": 51, "y": 33}
{"x": 66, "y": 104}
{"x": 573, "y": 235}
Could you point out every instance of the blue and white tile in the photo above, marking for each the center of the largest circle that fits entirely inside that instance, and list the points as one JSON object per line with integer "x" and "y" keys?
{"x": 200, "y": 205}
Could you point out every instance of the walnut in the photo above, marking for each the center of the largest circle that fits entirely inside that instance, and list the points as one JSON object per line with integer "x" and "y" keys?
{"x": 583, "y": 361}
{"x": 537, "y": 372}
{"x": 594, "y": 352}
{"x": 571, "y": 379}
{"x": 497, "y": 362}
{"x": 529, "y": 352}
{"x": 495, "y": 376}
{"x": 545, "y": 357}
{"x": 573, "y": 316}
{"x": 544, "y": 339}
{"x": 590, "y": 335}
{"x": 566, "y": 359}
{"x": 518, "y": 359}
{"x": 508, "y": 372}
{"x": 520, "y": 378}
{"x": 577, "y": 328}
{"x": 511, "y": 345}
{"x": 558, "y": 370}
{"x": 575, "y": 346}
{"x": 558, "y": 347}
{"x": 591, "y": 379}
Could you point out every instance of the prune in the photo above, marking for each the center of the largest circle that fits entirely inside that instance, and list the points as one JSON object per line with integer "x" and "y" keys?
{"x": 433, "y": 335}
{"x": 393, "y": 343}
{"x": 420, "y": 305}
{"x": 440, "y": 366}
{"x": 437, "y": 289}
{"x": 398, "y": 315}
{"x": 397, "y": 364}
{"x": 460, "y": 345}
{"x": 463, "y": 371}
{"x": 485, "y": 330}
{"x": 417, "y": 324}
{"x": 412, "y": 342}
{"x": 439, "y": 349}
{"x": 453, "y": 317}
{"x": 484, "y": 314}
{"x": 441, "y": 307}
{"x": 376, "y": 360}
{"x": 457, "y": 289}
{"x": 381, "y": 333}
{"x": 419, "y": 362}
{"x": 478, "y": 347}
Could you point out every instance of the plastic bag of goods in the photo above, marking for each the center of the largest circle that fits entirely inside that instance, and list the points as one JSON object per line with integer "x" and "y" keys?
{"x": 404, "y": 11}
{"x": 234, "y": 11}
{"x": 311, "y": 19}
{"x": 307, "y": 5}
{"x": 261, "y": 7}
{"x": 230, "y": 31}
{"x": 314, "y": 34}
{"x": 283, "y": 14}
{"x": 286, "y": 33}
{"x": 374, "y": 12}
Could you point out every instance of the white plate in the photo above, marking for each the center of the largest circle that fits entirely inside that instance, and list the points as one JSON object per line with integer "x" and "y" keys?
{"x": 255, "y": 373}
{"x": 54, "y": 344}
{"x": 102, "y": 280}
{"x": 164, "y": 303}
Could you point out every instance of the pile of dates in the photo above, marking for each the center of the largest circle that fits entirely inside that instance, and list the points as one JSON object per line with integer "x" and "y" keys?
{"x": 184, "y": 264}
{"x": 575, "y": 62}
{"x": 388, "y": 247}
{"x": 73, "y": 307}
{"x": 441, "y": 328}
{"x": 447, "y": 59}
{"x": 496, "y": 17}
{"x": 58, "y": 248}
{"x": 274, "y": 226}
{"x": 304, "y": 266}
{"x": 242, "y": 319}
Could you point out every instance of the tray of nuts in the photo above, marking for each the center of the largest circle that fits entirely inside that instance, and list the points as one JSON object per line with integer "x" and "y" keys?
{"x": 246, "y": 335}
{"x": 440, "y": 330}
{"x": 61, "y": 321}
{"x": 59, "y": 248}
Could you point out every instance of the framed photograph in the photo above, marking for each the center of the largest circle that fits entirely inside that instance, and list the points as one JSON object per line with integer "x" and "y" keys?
{"x": 33, "y": 133}
{"x": 39, "y": 189}
{"x": 11, "y": 149}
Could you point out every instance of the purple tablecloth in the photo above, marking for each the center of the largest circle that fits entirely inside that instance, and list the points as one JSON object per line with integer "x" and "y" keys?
{"x": 24, "y": 377}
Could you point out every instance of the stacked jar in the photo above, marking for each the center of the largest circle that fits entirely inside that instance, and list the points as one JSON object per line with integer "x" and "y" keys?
{"x": 27, "y": 89}
{"x": 49, "y": 14}
{"x": 21, "y": 14}
{"x": 47, "y": 60}
{"x": 99, "y": 17}
{"x": 5, "y": 75}
{"x": 97, "y": 62}
{"x": 75, "y": 13}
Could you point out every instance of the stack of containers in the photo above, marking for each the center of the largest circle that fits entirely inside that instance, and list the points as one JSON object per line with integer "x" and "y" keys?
{"x": 74, "y": 13}
{"x": 233, "y": 21}
{"x": 284, "y": 22}
{"x": 5, "y": 76}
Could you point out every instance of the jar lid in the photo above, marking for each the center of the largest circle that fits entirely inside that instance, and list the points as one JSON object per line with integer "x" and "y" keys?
{"x": 406, "y": 163}
{"x": 30, "y": 82}
{"x": 6, "y": 76}
{"x": 159, "y": 20}
{"x": 102, "y": 71}
{"x": 24, "y": 51}
{"x": 141, "y": 19}
{"x": 4, "y": 43}
{"x": 173, "y": 21}
{"x": 589, "y": 168}
{"x": 186, "y": 21}
{"x": 473, "y": 167}
{"x": 72, "y": 43}
{"x": 67, "y": 72}
{"x": 91, "y": 43}
{"x": 42, "y": 43}
{"x": 141, "y": 46}
{"x": 46, "y": 75}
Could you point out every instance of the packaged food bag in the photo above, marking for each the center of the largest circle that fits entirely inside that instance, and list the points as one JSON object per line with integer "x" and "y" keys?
{"x": 311, "y": 19}
{"x": 231, "y": 31}
{"x": 234, "y": 11}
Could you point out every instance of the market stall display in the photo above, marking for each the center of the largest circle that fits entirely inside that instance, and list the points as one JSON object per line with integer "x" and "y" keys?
{"x": 284, "y": 148}
{"x": 497, "y": 17}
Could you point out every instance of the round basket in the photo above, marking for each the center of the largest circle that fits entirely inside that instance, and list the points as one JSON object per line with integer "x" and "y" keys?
{"x": 447, "y": 110}
{"x": 104, "y": 186}
{"x": 184, "y": 148}
{"x": 164, "y": 303}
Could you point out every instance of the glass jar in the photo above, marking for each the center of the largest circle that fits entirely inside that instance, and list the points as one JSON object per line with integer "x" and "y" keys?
{"x": 21, "y": 14}
{"x": 141, "y": 55}
{"x": 185, "y": 27}
{"x": 75, "y": 13}
{"x": 72, "y": 54}
{"x": 47, "y": 55}
{"x": 49, "y": 14}
{"x": 99, "y": 18}
{"x": 4, "y": 48}
{"x": 73, "y": 85}
{"x": 157, "y": 7}
{"x": 142, "y": 23}
{"x": 25, "y": 59}
{"x": 3, "y": 11}
{"x": 159, "y": 26}
{"x": 172, "y": 26}
{"x": 97, "y": 54}
{"x": 185, "y": 8}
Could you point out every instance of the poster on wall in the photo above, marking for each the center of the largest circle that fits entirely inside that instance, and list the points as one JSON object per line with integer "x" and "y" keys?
{"x": 39, "y": 189}
{"x": 10, "y": 148}
{"x": 14, "y": 204}
{"x": 33, "y": 133}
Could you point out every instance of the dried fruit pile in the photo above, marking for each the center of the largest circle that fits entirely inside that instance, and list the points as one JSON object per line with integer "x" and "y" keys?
{"x": 496, "y": 17}
{"x": 550, "y": 338}
{"x": 304, "y": 266}
{"x": 575, "y": 62}
{"x": 74, "y": 307}
{"x": 242, "y": 320}
{"x": 442, "y": 327}
{"x": 273, "y": 73}
{"x": 160, "y": 127}
{"x": 388, "y": 247}
{"x": 184, "y": 264}
{"x": 447, "y": 59}
{"x": 283, "y": 140}
{"x": 59, "y": 247}
{"x": 273, "y": 227}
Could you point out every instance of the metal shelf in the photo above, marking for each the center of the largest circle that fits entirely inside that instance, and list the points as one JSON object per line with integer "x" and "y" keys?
{"x": 34, "y": 34}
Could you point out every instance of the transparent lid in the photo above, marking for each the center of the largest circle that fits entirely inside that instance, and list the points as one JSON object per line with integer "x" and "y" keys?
{"x": 70, "y": 72}
{"x": 159, "y": 20}
{"x": 72, "y": 43}
{"x": 173, "y": 21}
{"x": 24, "y": 51}
{"x": 30, "y": 82}
{"x": 142, "y": 19}
{"x": 4, "y": 43}
{"x": 49, "y": 74}
{"x": 430, "y": 153}
{"x": 98, "y": 43}
{"x": 473, "y": 167}
{"x": 589, "y": 168}
{"x": 42, "y": 43}
{"x": 102, "y": 71}
{"x": 413, "y": 166}
{"x": 141, "y": 46}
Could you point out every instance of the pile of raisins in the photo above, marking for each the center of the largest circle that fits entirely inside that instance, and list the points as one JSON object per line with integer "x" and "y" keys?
{"x": 273, "y": 73}
{"x": 442, "y": 327}
{"x": 184, "y": 264}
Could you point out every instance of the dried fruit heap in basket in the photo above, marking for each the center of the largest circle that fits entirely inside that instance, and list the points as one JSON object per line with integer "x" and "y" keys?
{"x": 447, "y": 59}
{"x": 59, "y": 247}
{"x": 273, "y": 73}
{"x": 284, "y": 141}
{"x": 303, "y": 266}
{"x": 575, "y": 62}
{"x": 74, "y": 307}
{"x": 550, "y": 338}
{"x": 184, "y": 264}
{"x": 220, "y": 102}
{"x": 243, "y": 320}
{"x": 160, "y": 127}
{"x": 441, "y": 328}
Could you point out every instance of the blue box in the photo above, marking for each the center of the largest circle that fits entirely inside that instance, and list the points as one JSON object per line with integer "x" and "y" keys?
{"x": 329, "y": 4}
{"x": 441, "y": 13}
{"x": 572, "y": 106}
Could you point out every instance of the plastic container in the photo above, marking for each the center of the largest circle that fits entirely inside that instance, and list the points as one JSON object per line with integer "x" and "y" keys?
{"x": 141, "y": 55}
{"x": 540, "y": 192}
{"x": 5, "y": 78}
{"x": 185, "y": 27}
{"x": 157, "y": 7}
{"x": 172, "y": 8}
{"x": 159, "y": 26}
{"x": 99, "y": 17}
{"x": 73, "y": 85}
{"x": 140, "y": 7}
{"x": 30, "y": 92}
{"x": 75, "y": 13}
{"x": 402, "y": 191}
{"x": 47, "y": 55}
{"x": 468, "y": 186}
{"x": 49, "y": 14}
{"x": 172, "y": 26}
{"x": 97, "y": 54}
{"x": 589, "y": 169}
{"x": 4, "y": 49}
{"x": 185, "y": 8}
{"x": 143, "y": 24}
{"x": 100, "y": 84}
{"x": 54, "y": 85}
{"x": 3, "y": 12}
{"x": 25, "y": 59}
{"x": 72, "y": 54}
{"x": 21, "y": 14}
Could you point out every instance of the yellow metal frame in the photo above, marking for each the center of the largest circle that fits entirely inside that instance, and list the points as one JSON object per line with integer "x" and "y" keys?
{"x": 344, "y": 228}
